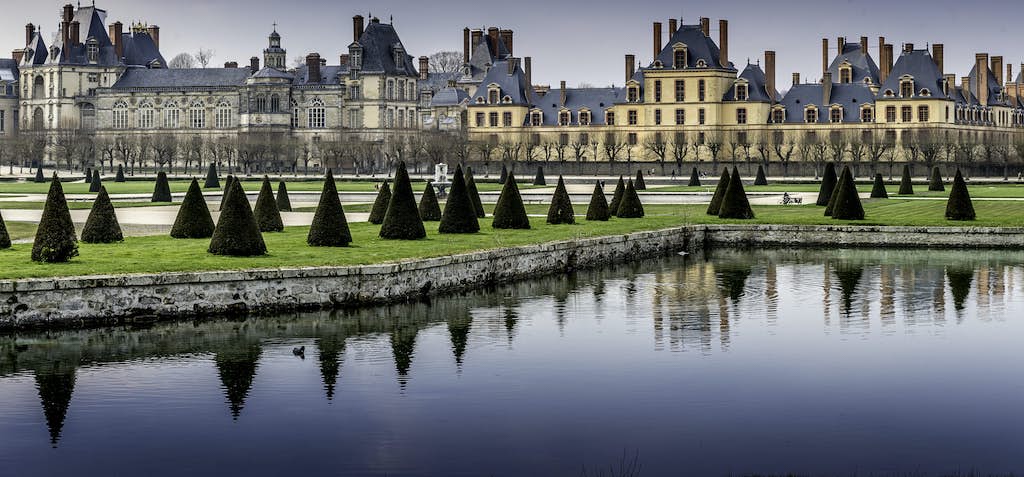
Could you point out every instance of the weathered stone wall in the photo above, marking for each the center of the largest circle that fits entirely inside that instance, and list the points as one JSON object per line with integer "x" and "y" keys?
{"x": 839, "y": 236}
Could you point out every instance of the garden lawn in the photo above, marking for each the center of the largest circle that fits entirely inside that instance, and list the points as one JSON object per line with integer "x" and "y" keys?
{"x": 181, "y": 186}
{"x": 980, "y": 191}
{"x": 20, "y": 231}
{"x": 76, "y": 205}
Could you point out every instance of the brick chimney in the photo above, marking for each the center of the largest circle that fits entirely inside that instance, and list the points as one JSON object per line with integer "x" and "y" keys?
{"x": 840, "y": 44}
{"x": 723, "y": 43}
{"x": 938, "y": 54}
{"x": 965, "y": 85}
{"x": 116, "y": 31}
{"x": 424, "y": 68}
{"x": 950, "y": 83}
{"x": 495, "y": 37}
{"x": 630, "y": 67}
{"x": 705, "y": 26}
{"x": 75, "y": 32}
{"x": 997, "y": 69}
{"x": 561, "y": 100}
{"x": 69, "y": 12}
{"x": 30, "y": 31}
{"x": 981, "y": 63}
{"x": 254, "y": 64}
{"x": 18, "y": 55}
{"x": 1009, "y": 73}
{"x": 826, "y": 89}
{"x": 478, "y": 36}
{"x": 358, "y": 26}
{"x": 824, "y": 55}
{"x": 465, "y": 45}
{"x": 796, "y": 79}
{"x": 65, "y": 33}
{"x": 230, "y": 64}
{"x": 657, "y": 41}
{"x": 343, "y": 59}
{"x": 313, "y": 67}
{"x": 769, "y": 74}
{"x": 528, "y": 66}
{"x": 888, "y": 59}
{"x": 863, "y": 45}
{"x": 881, "y": 59}
{"x": 673, "y": 26}
{"x": 506, "y": 39}
{"x": 154, "y": 33}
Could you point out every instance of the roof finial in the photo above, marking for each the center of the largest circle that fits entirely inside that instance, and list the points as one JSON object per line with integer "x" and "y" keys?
{"x": 275, "y": 27}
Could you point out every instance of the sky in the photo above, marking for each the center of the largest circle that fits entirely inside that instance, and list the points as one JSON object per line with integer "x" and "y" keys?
{"x": 575, "y": 41}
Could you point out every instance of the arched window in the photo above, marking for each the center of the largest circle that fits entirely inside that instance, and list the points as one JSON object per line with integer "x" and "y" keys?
{"x": 261, "y": 104}
{"x": 845, "y": 74}
{"x": 120, "y": 120}
{"x": 295, "y": 115}
{"x": 88, "y": 117}
{"x": 172, "y": 115}
{"x": 92, "y": 50}
{"x": 224, "y": 114}
{"x": 389, "y": 121}
{"x": 317, "y": 115}
{"x": 145, "y": 115}
{"x": 197, "y": 115}
{"x": 37, "y": 119}
{"x": 906, "y": 88}
{"x": 37, "y": 87}
{"x": 275, "y": 103}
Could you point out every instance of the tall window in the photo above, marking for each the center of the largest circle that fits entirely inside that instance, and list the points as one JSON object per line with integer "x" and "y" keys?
{"x": 584, "y": 118}
{"x": 492, "y": 119}
{"x": 492, "y": 96}
{"x": 741, "y": 116}
{"x": 811, "y": 115}
{"x": 401, "y": 120}
{"x": 701, "y": 90}
{"x": 92, "y": 50}
{"x": 317, "y": 115}
{"x": 197, "y": 115}
{"x": 401, "y": 90}
{"x": 867, "y": 115}
{"x": 907, "y": 88}
{"x": 480, "y": 120}
{"x": 536, "y": 118}
{"x": 922, "y": 114}
{"x": 680, "y": 91}
{"x": 172, "y": 115}
{"x": 506, "y": 119}
{"x": 261, "y": 104}
{"x": 564, "y": 118}
{"x": 701, "y": 116}
{"x": 632, "y": 94}
{"x": 120, "y": 115}
{"x": 3, "y": 121}
{"x": 907, "y": 114}
{"x": 657, "y": 117}
{"x": 223, "y": 117}
{"x": 741, "y": 92}
{"x": 609, "y": 118}
{"x": 145, "y": 116}
{"x": 391, "y": 90}
{"x": 631, "y": 117}
{"x": 778, "y": 116}
{"x": 679, "y": 58}
{"x": 657, "y": 91}
{"x": 846, "y": 74}
{"x": 680, "y": 116}
{"x": 275, "y": 103}
{"x": 390, "y": 119}
{"x": 836, "y": 115}
{"x": 890, "y": 114}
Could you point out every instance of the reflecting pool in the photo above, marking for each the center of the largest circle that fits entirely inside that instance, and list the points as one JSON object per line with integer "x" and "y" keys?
{"x": 731, "y": 363}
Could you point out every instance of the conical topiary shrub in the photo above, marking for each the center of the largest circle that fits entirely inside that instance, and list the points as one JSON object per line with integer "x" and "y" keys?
{"x": 878, "y": 189}
{"x": 735, "y": 204}
{"x": 935, "y": 181}
{"x": 330, "y": 227}
{"x": 828, "y": 185}
{"x": 959, "y": 206}
{"x": 510, "y": 213}
{"x": 504, "y": 174}
{"x": 760, "y": 180}
{"x": 120, "y": 174}
{"x": 284, "y": 204}
{"x": 5, "y": 238}
{"x": 102, "y": 225}
{"x": 212, "y": 181}
{"x": 561, "y": 211}
{"x": 402, "y": 219}
{"x": 459, "y": 216}
{"x": 835, "y": 194}
{"x": 88, "y": 175}
{"x": 55, "y": 238}
{"x": 598, "y": 209}
{"x": 97, "y": 182}
{"x": 380, "y": 206}
{"x": 906, "y": 183}
{"x": 694, "y": 178}
{"x": 227, "y": 190}
{"x": 539, "y": 179}
{"x": 194, "y": 220}
{"x": 162, "y": 190}
{"x": 847, "y": 204}
{"x": 474, "y": 194}
{"x": 267, "y": 216}
{"x": 620, "y": 189}
{"x": 630, "y": 207}
{"x": 639, "y": 183}
{"x": 40, "y": 178}
{"x": 237, "y": 234}
{"x": 430, "y": 210}
{"x": 716, "y": 200}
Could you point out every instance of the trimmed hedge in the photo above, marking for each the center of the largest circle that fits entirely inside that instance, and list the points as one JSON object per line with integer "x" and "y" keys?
{"x": 267, "y": 216}
{"x": 430, "y": 210}
{"x": 120, "y": 174}
{"x": 935, "y": 181}
{"x": 474, "y": 194}
{"x": 504, "y": 174}
{"x": 284, "y": 204}
{"x": 716, "y": 200}
{"x": 598, "y": 208}
{"x": 227, "y": 191}
{"x": 561, "y": 211}
{"x": 906, "y": 183}
{"x": 380, "y": 205}
{"x": 194, "y": 220}
{"x": 162, "y": 190}
{"x": 510, "y": 213}
{"x": 620, "y": 188}
{"x": 539, "y": 179}
{"x": 828, "y": 185}
{"x": 237, "y": 233}
{"x": 639, "y": 183}
{"x": 5, "y": 238}
{"x": 878, "y": 190}
{"x": 329, "y": 227}
{"x": 402, "y": 219}
{"x": 459, "y": 217}
{"x": 40, "y": 178}
{"x": 761, "y": 179}
{"x": 55, "y": 238}
{"x": 835, "y": 195}
{"x": 212, "y": 181}
{"x": 959, "y": 206}
{"x": 88, "y": 175}
{"x": 97, "y": 182}
{"x": 102, "y": 225}
{"x": 735, "y": 204}
{"x": 630, "y": 207}
{"x": 694, "y": 178}
{"x": 847, "y": 205}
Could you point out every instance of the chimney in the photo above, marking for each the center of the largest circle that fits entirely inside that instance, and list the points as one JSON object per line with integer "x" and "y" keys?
{"x": 69, "y": 12}
{"x": 465, "y": 45}
{"x": 705, "y": 26}
{"x": 254, "y": 64}
{"x": 357, "y": 28}
{"x": 938, "y": 54}
{"x": 657, "y": 40}
{"x": 230, "y": 64}
{"x": 562, "y": 97}
{"x": 495, "y": 35}
{"x": 424, "y": 68}
{"x": 343, "y": 59}
{"x": 863, "y": 45}
{"x": 506, "y": 38}
{"x": 313, "y": 67}
{"x": 154, "y": 33}
{"x": 74, "y": 33}
{"x": 796, "y": 79}
{"x": 966, "y": 87}
{"x": 18, "y": 55}
{"x": 826, "y": 89}
{"x": 888, "y": 59}
{"x": 723, "y": 43}
{"x": 118, "y": 41}
{"x": 673, "y": 26}
{"x": 824, "y": 55}
{"x": 528, "y": 66}
{"x": 950, "y": 82}
{"x": 997, "y": 69}
{"x": 477, "y": 37}
{"x": 840, "y": 44}
{"x": 65, "y": 33}
{"x": 908, "y": 47}
{"x": 1009, "y": 73}
{"x": 981, "y": 63}
{"x": 769, "y": 74}
{"x": 881, "y": 55}
{"x": 630, "y": 67}
{"x": 30, "y": 31}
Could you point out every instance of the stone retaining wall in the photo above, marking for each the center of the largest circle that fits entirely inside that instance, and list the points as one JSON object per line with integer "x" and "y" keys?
{"x": 839, "y": 236}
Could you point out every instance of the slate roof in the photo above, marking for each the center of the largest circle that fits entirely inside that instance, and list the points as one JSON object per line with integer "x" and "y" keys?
{"x": 757, "y": 89}
{"x": 850, "y": 95}
{"x": 329, "y": 75}
{"x": 139, "y": 49}
{"x": 513, "y": 85}
{"x": 378, "y": 41}
{"x": 597, "y": 100}
{"x": 994, "y": 88}
{"x": 273, "y": 73}
{"x": 860, "y": 61}
{"x": 922, "y": 68}
{"x": 39, "y": 51}
{"x": 8, "y": 70}
{"x": 449, "y": 96}
{"x": 698, "y": 47}
{"x": 182, "y": 78}
{"x": 436, "y": 82}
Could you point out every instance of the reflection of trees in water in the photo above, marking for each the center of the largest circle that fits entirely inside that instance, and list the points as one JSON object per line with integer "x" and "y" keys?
{"x": 458, "y": 331}
{"x": 732, "y": 280}
{"x": 56, "y": 384}
{"x": 403, "y": 346}
{"x": 237, "y": 362}
{"x": 332, "y": 348}
{"x": 960, "y": 282}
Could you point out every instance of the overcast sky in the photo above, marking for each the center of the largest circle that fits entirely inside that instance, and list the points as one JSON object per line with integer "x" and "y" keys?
{"x": 576, "y": 41}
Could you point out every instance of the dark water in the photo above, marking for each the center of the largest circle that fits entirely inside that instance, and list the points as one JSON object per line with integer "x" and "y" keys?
{"x": 822, "y": 363}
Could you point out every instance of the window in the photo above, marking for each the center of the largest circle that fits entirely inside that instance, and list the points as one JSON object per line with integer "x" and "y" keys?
{"x": 845, "y": 74}
{"x": 223, "y": 116}
{"x": 701, "y": 90}
{"x": 679, "y": 58}
{"x": 295, "y": 116}
{"x": 492, "y": 120}
{"x": 890, "y": 137}
{"x": 657, "y": 117}
{"x": 196, "y": 116}
{"x": 584, "y": 118}
{"x": 609, "y": 118}
{"x": 401, "y": 90}
{"x": 922, "y": 114}
{"x": 741, "y": 116}
{"x": 506, "y": 119}
{"x": 907, "y": 114}
{"x": 564, "y": 118}
{"x": 584, "y": 138}
{"x": 890, "y": 114}
{"x": 536, "y": 118}
{"x": 631, "y": 117}
{"x": 631, "y": 139}
{"x": 479, "y": 120}
{"x": 492, "y": 96}
{"x": 389, "y": 118}
{"x": 778, "y": 116}
{"x": 680, "y": 91}
{"x": 741, "y": 92}
{"x": 316, "y": 115}
{"x": 275, "y": 103}
{"x": 867, "y": 115}
{"x": 145, "y": 117}
{"x": 741, "y": 138}
{"x": 353, "y": 92}
{"x": 836, "y": 115}
{"x": 261, "y": 104}
{"x": 907, "y": 88}
{"x": 401, "y": 120}
{"x": 811, "y": 115}
{"x": 680, "y": 116}
{"x": 3, "y": 120}
{"x": 92, "y": 50}
{"x": 633, "y": 94}
{"x": 120, "y": 115}
{"x": 701, "y": 116}
{"x": 657, "y": 91}
{"x": 171, "y": 115}
{"x": 390, "y": 90}
{"x": 563, "y": 139}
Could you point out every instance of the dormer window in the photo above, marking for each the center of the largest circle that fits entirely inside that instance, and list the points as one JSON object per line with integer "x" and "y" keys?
{"x": 399, "y": 57}
{"x": 778, "y": 115}
{"x": 536, "y": 118}
{"x": 701, "y": 63}
{"x": 836, "y": 114}
{"x": 584, "y": 118}
{"x": 679, "y": 56}
{"x": 564, "y": 118}
{"x": 926, "y": 92}
{"x": 480, "y": 100}
{"x": 741, "y": 92}
{"x": 492, "y": 95}
{"x": 506, "y": 100}
{"x": 355, "y": 57}
{"x": 811, "y": 115}
{"x": 845, "y": 74}
{"x": 92, "y": 50}
{"x": 633, "y": 94}
{"x": 906, "y": 87}
{"x": 867, "y": 114}
{"x": 658, "y": 65}
{"x": 54, "y": 51}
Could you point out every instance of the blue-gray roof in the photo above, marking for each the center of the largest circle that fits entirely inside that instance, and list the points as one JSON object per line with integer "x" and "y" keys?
{"x": 860, "y": 62}
{"x": 273, "y": 73}
{"x": 8, "y": 70}
{"x": 38, "y": 49}
{"x": 994, "y": 88}
{"x": 329, "y": 75}
{"x": 919, "y": 65}
{"x": 378, "y": 42}
{"x": 512, "y": 85}
{"x": 757, "y": 89}
{"x": 849, "y": 95}
{"x": 182, "y": 78}
{"x": 597, "y": 100}
{"x": 141, "y": 50}
{"x": 698, "y": 47}
{"x": 449, "y": 96}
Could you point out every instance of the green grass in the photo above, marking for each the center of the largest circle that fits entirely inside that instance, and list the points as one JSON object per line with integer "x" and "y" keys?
{"x": 981, "y": 191}
{"x": 77, "y": 205}
{"x": 20, "y": 230}
{"x": 146, "y": 187}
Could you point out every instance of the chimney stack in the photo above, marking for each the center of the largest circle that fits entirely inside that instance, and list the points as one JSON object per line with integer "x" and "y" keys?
{"x": 826, "y": 89}
{"x": 313, "y": 67}
{"x": 938, "y": 54}
{"x": 30, "y": 31}
{"x": 723, "y": 43}
{"x": 118, "y": 29}
{"x": 344, "y": 59}
{"x": 512, "y": 64}
{"x": 950, "y": 83}
{"x": 1009, "y": 73}
{"x": 65, "y": 33}
{"x": 69, "y": 12}
{"x": 424, "y": 68}
{"x": 75, "y": 33}
{"x": 863, "y": 45}
{"x": 997, "y": 69}
{"x": 154, "y": 33}
{"x": 824, "y": 55}
{"x": 966, "y": 87}
{"x": 630, "y": 67}
{"x": 673, "y": 26}
{"x": 506, "y": 38}
{"x": 796, "y": 79}
{"x": 230, "y": 64}
{"x": 465, "y": 45}
{"x": 881, "y": 56}
{"x": 528, "y": 66}
{"x": 769, "y": 74}
{"x": 254, "y": 64}
{"x": 357, "y": 27}
{"x": 478, "y": 36}
{"x": 908, "y": 47}
{"x": 888, "y": 60}
{"x": 18, "y": 55}
{"x": 981, "y": 63}
{"x": 840, "y": 44}
{"x": 705, "y": 26}
{"x": 562, "y": 98}
{"x": 495, "y": 36}
{"x": 657, "y": 41}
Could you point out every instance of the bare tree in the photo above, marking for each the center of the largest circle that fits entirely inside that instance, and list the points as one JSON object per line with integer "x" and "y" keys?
{"x": 511, "y": 150}
{"x": 204, "y": 56}
{"x": 7, "y": 152}
{"x": 763, "y": 148}
{"x": 657, "y": 147}
{"x": 182, "y": 61}
{"x": 446, "y": 62}
{"x": 64, "y": 140}
{"x": 680, "y": 148}
{"x": 713, "y": 141}
{"x": 858, "y": 150}
{"x": 613, "y": 146}
{"x": 876, "y": 150}
{"x": 165, "y": 148}
{"x": 783, "y": 149}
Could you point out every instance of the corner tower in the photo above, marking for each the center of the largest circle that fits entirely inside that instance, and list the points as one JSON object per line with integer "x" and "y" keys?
{"x": 275, "y": 56}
